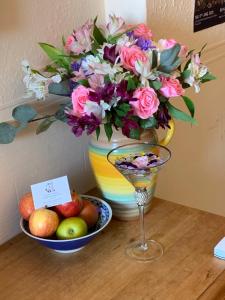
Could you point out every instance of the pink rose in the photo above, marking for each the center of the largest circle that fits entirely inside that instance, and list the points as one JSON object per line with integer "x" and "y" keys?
{"x": 167, "y": 44}
{"x": 147, "y": 102}
{"x": 129, "y": 55}
{"x": 79, "y": 99}
{"x": 143, "y": 31}
{"x": 171, "y": 87}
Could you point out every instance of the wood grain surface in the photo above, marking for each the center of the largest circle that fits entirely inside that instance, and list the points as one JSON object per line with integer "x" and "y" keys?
{"x": 101, "y": 271}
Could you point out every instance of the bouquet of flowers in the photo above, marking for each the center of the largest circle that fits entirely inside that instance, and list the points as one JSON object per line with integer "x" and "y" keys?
{"x": 115, "y": 75}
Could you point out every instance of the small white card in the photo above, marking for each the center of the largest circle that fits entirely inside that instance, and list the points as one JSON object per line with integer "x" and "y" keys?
{"x": 51, "y": 192}
{"x": 219, "y": 250}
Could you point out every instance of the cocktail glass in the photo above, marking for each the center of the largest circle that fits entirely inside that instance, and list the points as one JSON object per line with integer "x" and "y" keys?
{"x": 139, "y": 163}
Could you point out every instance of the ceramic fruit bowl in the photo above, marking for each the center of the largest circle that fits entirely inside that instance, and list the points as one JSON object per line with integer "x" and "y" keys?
{"x": 76, "y": 244}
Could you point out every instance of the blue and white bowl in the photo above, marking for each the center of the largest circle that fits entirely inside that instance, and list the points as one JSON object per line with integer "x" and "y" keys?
{"x": 73, "y": 245}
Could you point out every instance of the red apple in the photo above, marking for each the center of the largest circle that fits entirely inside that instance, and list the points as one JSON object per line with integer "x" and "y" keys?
{"x": 89, "y": 213}
{"x": 43, "y": 222}
{"x": 72, "y": 208}
{"x": 26, "y": 206}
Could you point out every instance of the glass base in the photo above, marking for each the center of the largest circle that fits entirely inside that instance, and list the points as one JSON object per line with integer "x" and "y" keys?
{"x": 151, "y": 251}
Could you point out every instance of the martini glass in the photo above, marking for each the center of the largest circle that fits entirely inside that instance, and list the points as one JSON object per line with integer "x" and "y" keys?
{"x": 139, "y": 163}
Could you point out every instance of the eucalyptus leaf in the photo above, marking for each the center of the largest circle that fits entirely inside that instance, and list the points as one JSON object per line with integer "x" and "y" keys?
{"x": 169, "y": 59}
{"x": 135, "y": 134}
{"x": 62, "y": 88}
{"x": 178, "y": 114}
{"x": 60, "y": 113}
{"x": 7, "y": 133}
{"x": 24, "y": 113}
{"x": 45, "y": 124}
{"x": 148, "y": 123}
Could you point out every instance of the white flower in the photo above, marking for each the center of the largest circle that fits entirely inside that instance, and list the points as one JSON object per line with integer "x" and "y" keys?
{"x": 114, "y": 26}
{"x": 197, "y": 71}
{"x": 36, "y": 83}
{"x": 145, "y": 70}
{"x": 97, "y": 109}
{"x": 126, "y": 41}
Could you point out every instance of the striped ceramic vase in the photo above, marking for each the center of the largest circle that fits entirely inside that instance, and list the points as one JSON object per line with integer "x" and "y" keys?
{"x": 114, "y": 187}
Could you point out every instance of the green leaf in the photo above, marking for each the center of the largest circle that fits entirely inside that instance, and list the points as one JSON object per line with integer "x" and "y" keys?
{"x": 131, "y": 84}
{"x": 83, "y": 82}
{"x": 63, "y": 40}
{"x": 207, "y": 77}
{"x": 50, "y": 69}
{"x": 148, "y": 123}
{"x": 186, "y": 73}
{"x": 7, "y": 133}
{"x": 56, "y": 55}
{"x": 62, "y": 88}
{"x": 163, "y": 99}
{"x": 98, "y": 36}
{"x": 108, "y": 130}
{"x": 169, "y": 59}
{"x": 135, "y": 134}
{"x": 124, "y": 107}
{"x": 178, "y": 114}
{"x": 97, "y": 130}
{"x": 45, "y": 124}
{"x": 107, "y": 79}
{"x": 118, "y": 122}
{"x": 154, "y": 59}
{"x": 24, "y": 113}
{"x": 156, "y": 85}
{"x": 95, "y": 47}
{"x": 190, "y": 105}
{"x": 203, "y": 48}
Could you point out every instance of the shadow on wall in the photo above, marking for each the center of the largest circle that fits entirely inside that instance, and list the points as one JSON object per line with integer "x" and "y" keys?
{"x": 9, "y": 15}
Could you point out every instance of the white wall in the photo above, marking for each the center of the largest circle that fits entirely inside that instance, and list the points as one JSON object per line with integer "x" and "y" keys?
{"x": 195, "y": 176}
{"x": 31, "y": 158}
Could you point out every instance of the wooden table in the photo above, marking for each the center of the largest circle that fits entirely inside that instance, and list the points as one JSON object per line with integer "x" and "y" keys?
{"x": 101, "y": 271}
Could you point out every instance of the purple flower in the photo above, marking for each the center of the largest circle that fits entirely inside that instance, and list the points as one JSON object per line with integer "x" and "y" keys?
{"x": 162, "y": 117}
{"x": 72, "y": 85}
{"x": 128, "y": 126}
{"x": 110, "y": 54}
{"x": 144, "y": 44}
{"x": 130, "y": 34}
{"x": 105, "y": 93}
{"x": 76, "y": 65}
{"x": 85, "y": 123}
{"x": 121, "y": 91}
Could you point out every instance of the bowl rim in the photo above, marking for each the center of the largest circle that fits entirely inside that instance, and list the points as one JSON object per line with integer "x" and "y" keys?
{"x": 75, "y": 239}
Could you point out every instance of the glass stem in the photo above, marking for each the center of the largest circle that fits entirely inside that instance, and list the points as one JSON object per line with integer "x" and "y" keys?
{"x": 141, "y": 198}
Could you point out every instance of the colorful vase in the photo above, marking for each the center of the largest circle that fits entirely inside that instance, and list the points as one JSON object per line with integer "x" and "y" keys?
{"x": 114, "y": 187}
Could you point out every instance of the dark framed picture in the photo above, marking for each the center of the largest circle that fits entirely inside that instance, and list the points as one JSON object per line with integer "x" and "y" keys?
{"x": 208, "y": 13}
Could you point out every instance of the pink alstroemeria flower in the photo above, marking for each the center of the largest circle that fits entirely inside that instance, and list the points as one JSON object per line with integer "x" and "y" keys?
{"x": 169, "y": 43}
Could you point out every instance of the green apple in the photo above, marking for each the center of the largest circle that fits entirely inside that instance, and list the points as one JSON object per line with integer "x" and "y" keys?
{"x": 71, "y": 228}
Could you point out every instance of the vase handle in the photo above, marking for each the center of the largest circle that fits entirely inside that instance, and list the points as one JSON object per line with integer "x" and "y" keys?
{"x": 170, "y": 131}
